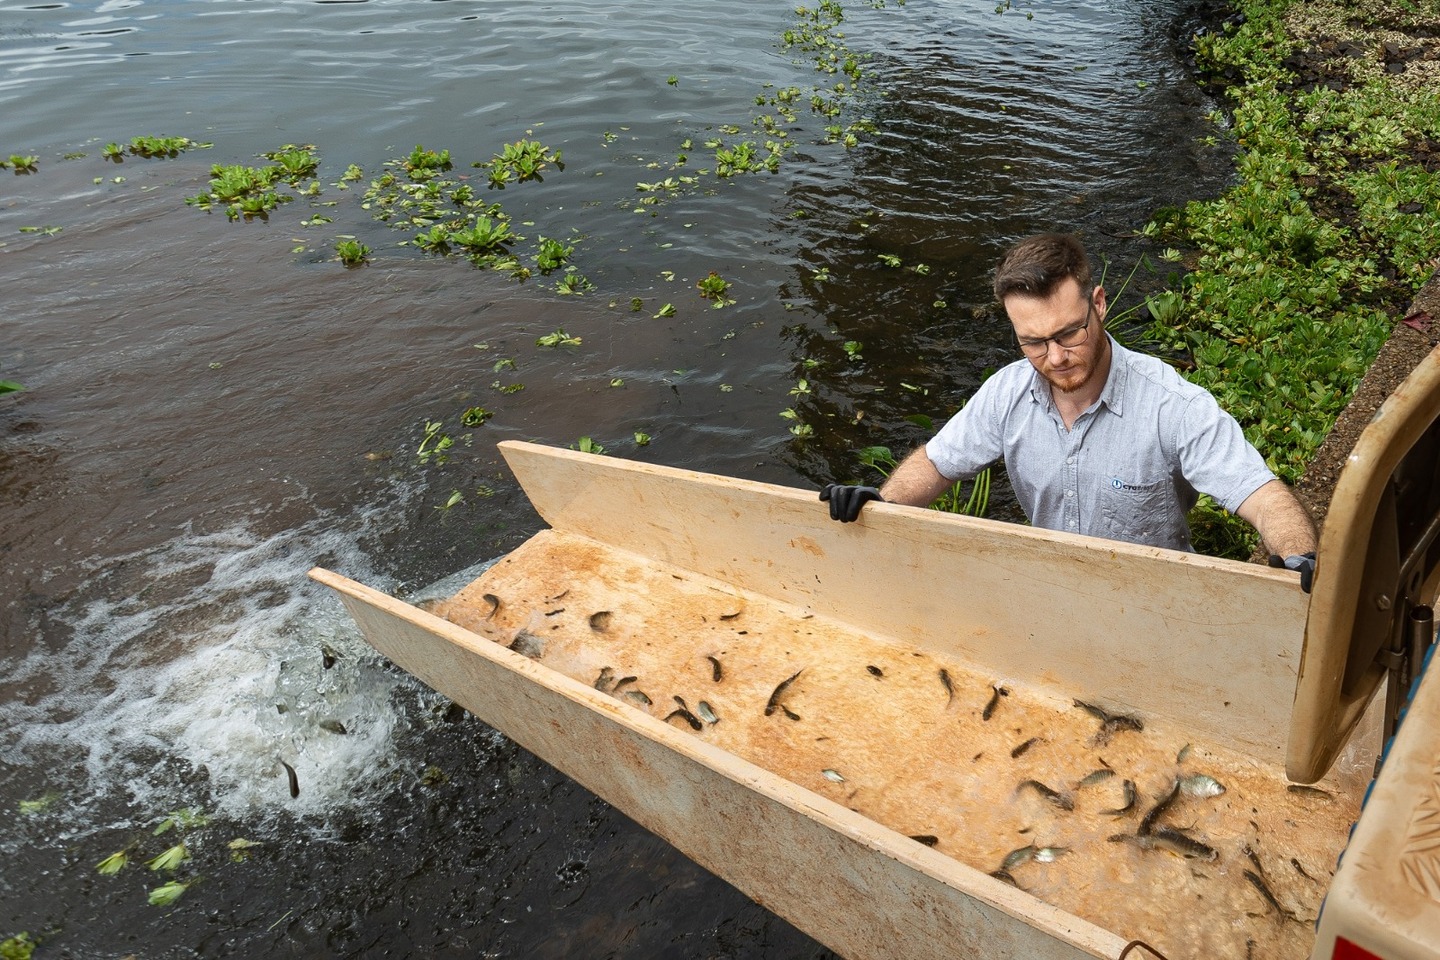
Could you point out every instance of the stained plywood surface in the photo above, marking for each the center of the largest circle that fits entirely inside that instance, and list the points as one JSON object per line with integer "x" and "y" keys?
{"x": 1212, "y": 643}
{"x": 924, "y": 744}
{"x": 860, "y": 888}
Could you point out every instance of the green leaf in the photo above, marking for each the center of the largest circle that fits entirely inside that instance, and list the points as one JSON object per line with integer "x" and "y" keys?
{"x": 170, "y": 859}
{"x": 166, "y": 894}
{"x": 113, "y": 864}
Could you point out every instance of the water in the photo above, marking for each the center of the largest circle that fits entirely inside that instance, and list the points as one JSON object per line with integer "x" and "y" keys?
{"x": 214, "y": 407}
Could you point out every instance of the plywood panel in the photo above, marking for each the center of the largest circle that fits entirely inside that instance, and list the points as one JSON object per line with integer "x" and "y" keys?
{"x": 1209, "y": 643}
{"x": 863, "y": 890}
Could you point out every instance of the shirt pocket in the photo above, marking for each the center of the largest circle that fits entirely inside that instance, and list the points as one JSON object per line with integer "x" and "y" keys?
{"x": 1138, "y": 512}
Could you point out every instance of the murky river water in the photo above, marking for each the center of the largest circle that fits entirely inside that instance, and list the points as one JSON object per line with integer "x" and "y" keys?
{"x": 215, "y": 406}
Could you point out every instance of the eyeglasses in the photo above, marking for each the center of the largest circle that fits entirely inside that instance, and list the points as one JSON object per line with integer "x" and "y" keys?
{"x": 1069, "y": 338}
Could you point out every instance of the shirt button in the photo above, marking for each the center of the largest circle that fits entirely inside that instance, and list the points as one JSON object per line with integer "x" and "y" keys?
{"x": 1069, "y": 459}
{"x": 1069, "y": 493}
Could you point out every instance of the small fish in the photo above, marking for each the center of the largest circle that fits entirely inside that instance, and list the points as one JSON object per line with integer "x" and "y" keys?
{"x": 707, "y": 712}
{"x": 494, "y": 602}
{"x": 928, "y": 839}
{"x": 1054, "y": 796}
{"x": 1050, "y": 854}
{"x": 1015, "y": 858}
{"x": 555, "y": 613}
{"x": 1004, "y": 877}
{"x": 623, "y": 681}
{"x": 1301, "y": 790}
{"x": 774, "y": 702}
{"x": 1255, "y": 859}
{"x": 996, "y": 693}
{"x": 528, "y": 644}
{"x": 1098, "y": 776}
{"x": 1294, "y": 862}
{"x": 948, "y": 685}
{"x": 1155, "y": 812}
{"x": 715, "y": 672}
{"x": 1259, "y": 884}
{"x": 832, "y": 775}
{"x": 687, "y": 716}
{"x": 334, "y": 726}
{"x": 1024, "y": 746}
{"x": 560, "y": 595}
{"x": 600, "y": 621}
{"x": 294, "y": 780}
{"x": 730, "y": 616}
{"x": 1201, "y": 785}
{"x": 1110, "y": 723}
{"x": 327, "y": 657}
{"x": 637, "y": 697}
{"x": 1129, "y": 789}
{"x": 1183, "y": 755}
{"x": 790, "y": 713}
{"x": 605, "y": 682}
{"x": 875, "y": 671}
{"x": 1176, "y": 842}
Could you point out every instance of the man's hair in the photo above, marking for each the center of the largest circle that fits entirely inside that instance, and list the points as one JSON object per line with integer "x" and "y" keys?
{"x": 1035, "y": 266}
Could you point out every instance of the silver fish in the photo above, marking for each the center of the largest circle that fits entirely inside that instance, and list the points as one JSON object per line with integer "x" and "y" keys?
{"x": 1050, "y": 854}
{"x": 1014, "y": 858}
{"x": 832, "y": 775}
{"x": 706, "y": 712}
{"x": 1129, "y": 789}
{"x": 1090, "y": 779}
{"x": 1164, "y": 838}
{"x": 1201, "y": 785}
{"x": 637, "y": 697}
{"x": 528, "y": 645}
{"x": 1054, "y": 796}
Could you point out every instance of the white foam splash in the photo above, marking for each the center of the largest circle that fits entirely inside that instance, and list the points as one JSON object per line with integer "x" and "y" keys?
{"x": 215, "y": 674}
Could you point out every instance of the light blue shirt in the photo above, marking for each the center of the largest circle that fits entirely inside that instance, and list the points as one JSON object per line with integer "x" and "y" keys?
{"x": 1130, "y": 466}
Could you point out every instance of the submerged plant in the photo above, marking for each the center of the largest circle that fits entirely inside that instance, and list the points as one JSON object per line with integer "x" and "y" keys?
{"x": 351, "y": 252}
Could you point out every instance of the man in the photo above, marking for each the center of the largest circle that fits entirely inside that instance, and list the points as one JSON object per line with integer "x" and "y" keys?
{"x": 1096, "y": 439}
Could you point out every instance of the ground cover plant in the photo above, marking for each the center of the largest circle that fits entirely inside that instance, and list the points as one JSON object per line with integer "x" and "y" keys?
{"x": 1295, "y": 276}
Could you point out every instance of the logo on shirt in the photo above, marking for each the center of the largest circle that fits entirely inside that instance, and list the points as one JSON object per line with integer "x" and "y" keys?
{"x": 1119, "y": 484}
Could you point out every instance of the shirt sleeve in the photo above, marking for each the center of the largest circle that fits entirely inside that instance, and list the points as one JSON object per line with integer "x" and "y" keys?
{"x": 972, "y": 439}
{"x": 1215, "y": 458}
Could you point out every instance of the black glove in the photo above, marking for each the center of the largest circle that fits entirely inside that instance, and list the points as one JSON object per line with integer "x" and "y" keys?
{"x": 1303, "y": 563}
{"x": 846, "y": 501}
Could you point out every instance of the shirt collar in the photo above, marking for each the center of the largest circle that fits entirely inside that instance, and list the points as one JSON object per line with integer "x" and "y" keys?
{"x": 1113, "y": 396}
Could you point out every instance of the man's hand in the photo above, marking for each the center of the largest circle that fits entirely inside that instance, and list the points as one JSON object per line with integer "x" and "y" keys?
{"x": 846, "y": 501}
{"x": 1303, "y": 563}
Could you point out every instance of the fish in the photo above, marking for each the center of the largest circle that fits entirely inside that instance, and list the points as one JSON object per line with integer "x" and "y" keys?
{"x": 1301, "y": 790}
{"x": 1259, "y": 884}
{"x": 707, "y": 712}
{"x": 1165, "y": 838}
{"x": 790, "y": 713}
{"x": 1183, "y": 754}
{"x": 294, "y": 780}
{"x": 600, "y": 621}
{"x": 774, "y": 702}
{"x": 1050, "y": 854}
{"x": 623, "y": 681}
{"x": 1294, "y": 862}
{"x": 604, "y": 682}
{"x": 687, "y": 716}
{"x": 1201, "y": 785}
{"x": 1021, "y": 748}
{"x": 730, "y": 616}
{"x": 334, "y": 726}
{"x": 875, "y": 671}
{"x": 1174, "y": 841}
{"x": 494, "y": 602}
{"x": 1097, "y": 776}
{"x": 1014, "y": 858}
{"x": 832, "y": 775}
{"x": 637, "y": 697}
{"x": 949, "y": 687}
{"x": 1110, "y": 723}
{"x": 997, "y": 692}
{"x": 928, "y": 839}
{"x": 528, "y": 644}
{"x": 1004, "y": 877}
{"x": 1129, "y": 789}
{"x": 1155, "y": 812}
{"x": 715, "y": 672}
{"x": 1054, "y": 796}
{"x": 327, "y": 657}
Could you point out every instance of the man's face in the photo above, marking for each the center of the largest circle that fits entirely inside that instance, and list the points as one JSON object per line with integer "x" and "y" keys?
{"x": 1068, "y": 315}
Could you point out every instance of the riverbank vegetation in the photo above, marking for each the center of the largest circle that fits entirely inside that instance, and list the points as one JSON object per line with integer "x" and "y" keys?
{"x": 1294, "y": 277}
